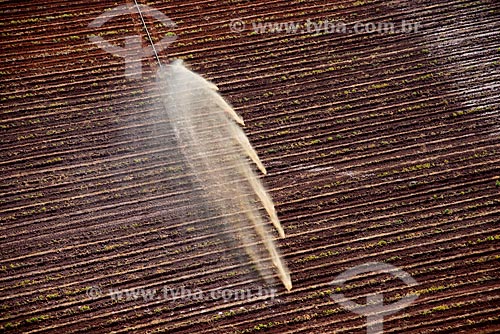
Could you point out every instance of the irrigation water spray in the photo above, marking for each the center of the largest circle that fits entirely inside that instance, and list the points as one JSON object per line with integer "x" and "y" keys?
{"x": 217, "y": 151}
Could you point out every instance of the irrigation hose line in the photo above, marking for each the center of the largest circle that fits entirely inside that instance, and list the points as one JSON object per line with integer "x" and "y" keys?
{"x": 147, "y": 32}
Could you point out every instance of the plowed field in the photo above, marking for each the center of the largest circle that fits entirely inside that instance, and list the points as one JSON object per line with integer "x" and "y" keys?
{"x": 380, "y": 147}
